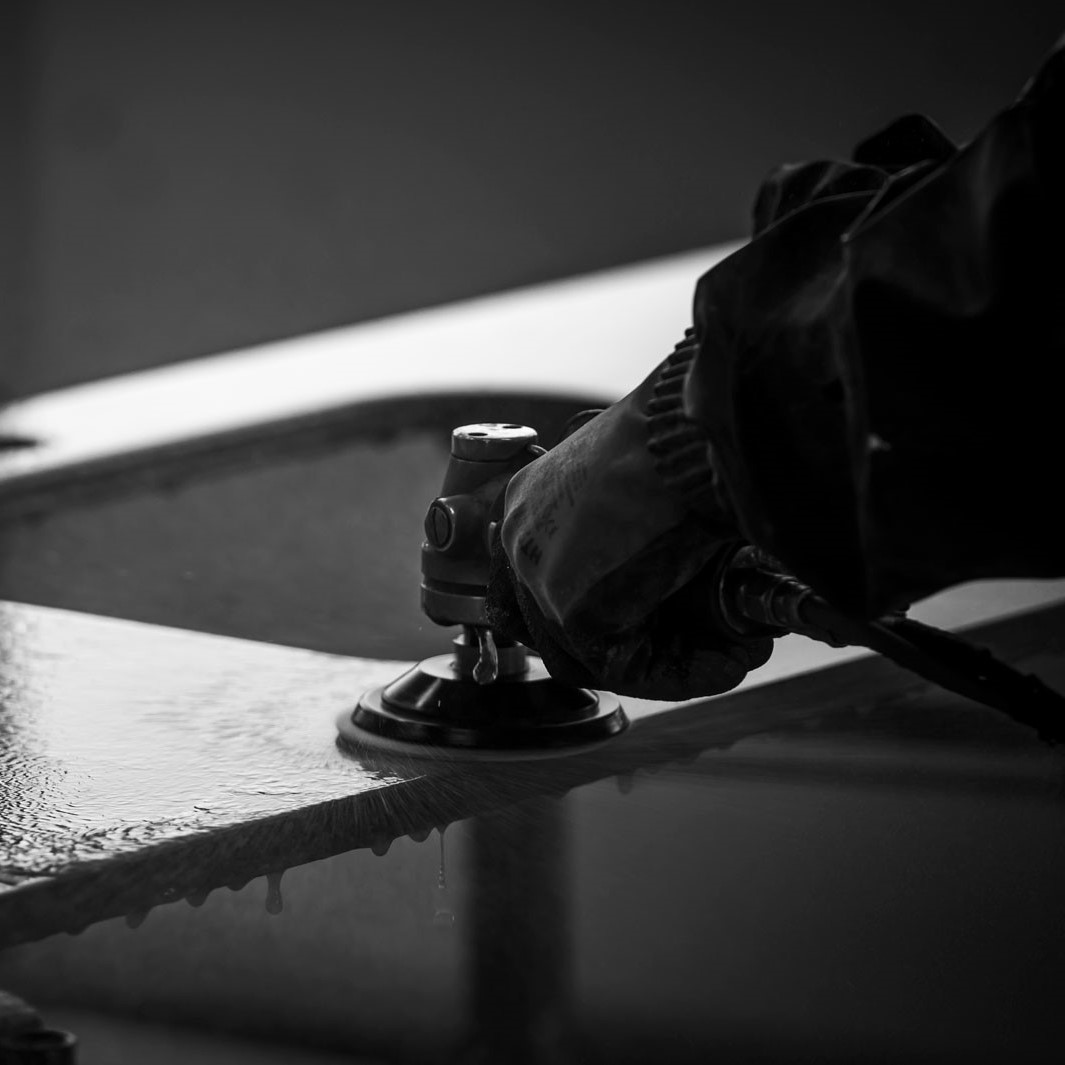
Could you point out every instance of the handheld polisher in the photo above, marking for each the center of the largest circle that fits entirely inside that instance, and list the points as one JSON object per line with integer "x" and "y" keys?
{"x": 490, "y": 695}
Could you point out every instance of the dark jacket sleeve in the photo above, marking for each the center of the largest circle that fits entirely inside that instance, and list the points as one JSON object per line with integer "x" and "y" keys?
{"x": 880, "y": 370}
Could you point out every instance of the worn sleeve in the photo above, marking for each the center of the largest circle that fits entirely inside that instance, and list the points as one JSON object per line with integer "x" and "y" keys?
{"x": 880, "y": 370}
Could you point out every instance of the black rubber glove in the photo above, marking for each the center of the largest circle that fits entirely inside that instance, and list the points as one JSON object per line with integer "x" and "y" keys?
{"x": 605, "y": 568}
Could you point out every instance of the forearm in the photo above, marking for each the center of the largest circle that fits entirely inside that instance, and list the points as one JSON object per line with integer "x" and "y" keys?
{"x": 879, "y": 374}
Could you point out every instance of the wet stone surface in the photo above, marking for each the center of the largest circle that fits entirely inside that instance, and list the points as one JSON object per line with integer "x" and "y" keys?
{"x": 115, "y": 736}
{"x": 793, "y": 871}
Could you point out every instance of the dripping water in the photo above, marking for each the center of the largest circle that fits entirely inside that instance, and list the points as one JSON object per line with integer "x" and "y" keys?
{"x": 443, "y": 915}
{"x": 274, "y": 902}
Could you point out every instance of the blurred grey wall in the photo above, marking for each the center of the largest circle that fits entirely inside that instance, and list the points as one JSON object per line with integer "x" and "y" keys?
{"x": 182, "y": 177}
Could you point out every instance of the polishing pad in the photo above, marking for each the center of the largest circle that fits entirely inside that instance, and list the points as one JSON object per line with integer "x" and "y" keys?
{"x": 437, "y": 710}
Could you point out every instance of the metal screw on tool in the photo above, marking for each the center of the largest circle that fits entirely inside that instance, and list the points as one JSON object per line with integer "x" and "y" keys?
{"x": 439, "y": 525}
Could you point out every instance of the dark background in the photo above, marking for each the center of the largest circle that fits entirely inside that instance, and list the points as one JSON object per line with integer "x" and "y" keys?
{"x": 182, "y": 177}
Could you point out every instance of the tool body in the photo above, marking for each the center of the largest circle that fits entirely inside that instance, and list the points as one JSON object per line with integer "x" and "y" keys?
{"x": 489, "y": 695}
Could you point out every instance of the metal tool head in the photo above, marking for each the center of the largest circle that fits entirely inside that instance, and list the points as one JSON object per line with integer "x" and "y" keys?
{"x": 489, "y": 696}
{"x": 456, "y": 552}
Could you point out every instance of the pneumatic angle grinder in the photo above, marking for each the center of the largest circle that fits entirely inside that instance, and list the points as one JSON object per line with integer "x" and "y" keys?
{"x": 491, "y": 697}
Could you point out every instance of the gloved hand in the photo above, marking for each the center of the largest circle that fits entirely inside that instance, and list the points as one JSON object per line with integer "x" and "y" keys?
{"x": 605, "y": 564}
{"x": 606, "y": 569}
{"x": 878, "y": 375}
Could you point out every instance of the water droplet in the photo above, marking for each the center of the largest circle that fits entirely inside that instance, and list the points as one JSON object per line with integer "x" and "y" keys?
{"x": 441, "y": 880}
{"x": 625, "y": 782}
{"x": 136, "y": 918}
{"x": 443, "y": 916}
{"x": 197, "y": 898}
{"x": 380, "y": 846}
{"x": 274, "y": 902}
{"x": 420, "y": 835}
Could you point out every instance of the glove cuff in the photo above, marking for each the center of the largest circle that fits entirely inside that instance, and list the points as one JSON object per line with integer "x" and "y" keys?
{"x": 679, "y": 447}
